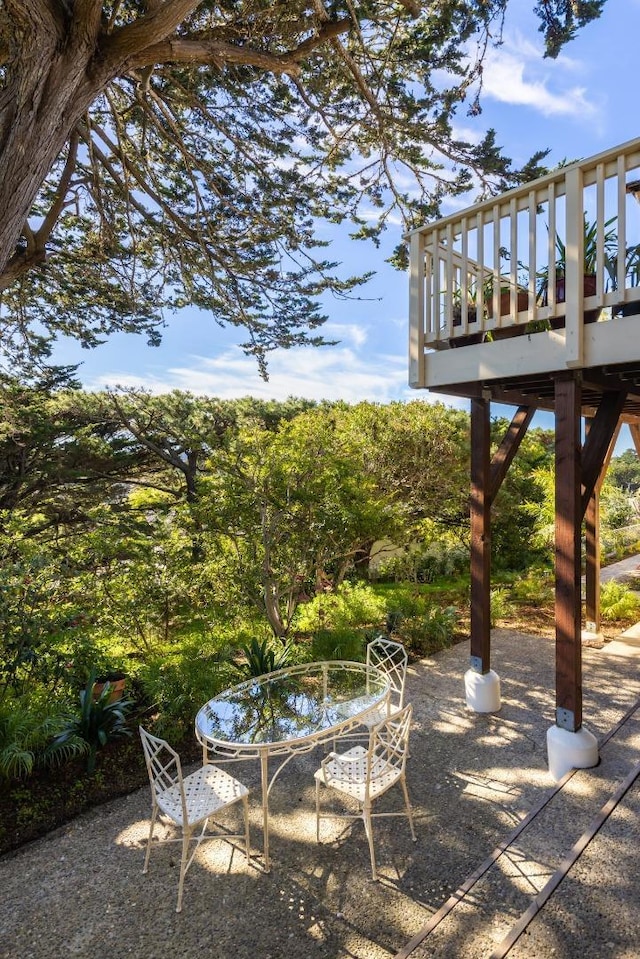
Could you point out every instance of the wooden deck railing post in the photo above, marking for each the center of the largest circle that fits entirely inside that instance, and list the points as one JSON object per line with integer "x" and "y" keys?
{"x": 574, "y": 269}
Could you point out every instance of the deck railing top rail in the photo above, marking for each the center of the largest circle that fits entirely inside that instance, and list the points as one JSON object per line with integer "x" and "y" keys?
{"x": 588, "y": 167}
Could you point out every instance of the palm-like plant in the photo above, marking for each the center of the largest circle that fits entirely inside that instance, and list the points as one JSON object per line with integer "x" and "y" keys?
{"x": 97, "y": 722}
{"x": 262, "y": 658}
{"x": 24, "y": 734}
{"x": 631, "y": 273}
{"x": 610, "y": 245}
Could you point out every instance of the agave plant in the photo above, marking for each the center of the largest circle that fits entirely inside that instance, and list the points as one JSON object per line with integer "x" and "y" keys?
{"x": 262, "y": 658}
{"x": 97, "y": 722}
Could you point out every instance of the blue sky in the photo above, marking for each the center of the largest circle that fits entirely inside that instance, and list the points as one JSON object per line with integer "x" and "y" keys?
{"x": 580, "y": 104}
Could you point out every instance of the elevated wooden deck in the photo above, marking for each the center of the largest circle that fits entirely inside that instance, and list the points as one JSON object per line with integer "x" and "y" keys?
{"x": 542, "y": 280}
{"x": 533, "y": 299}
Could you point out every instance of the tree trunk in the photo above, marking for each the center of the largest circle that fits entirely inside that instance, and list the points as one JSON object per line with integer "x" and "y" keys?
{"x": 51, "y": 84}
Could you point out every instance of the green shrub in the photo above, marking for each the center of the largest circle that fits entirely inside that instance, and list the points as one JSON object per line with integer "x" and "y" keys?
{"x": 346, "y": 644}
{"x": 424, "y": 564}
{"x": 176, "y": 682}
{"x": 429, "y": 631}
{"x": 405, "y": 604}
{"x": 536, "y": 588}
{"x": 501, "y": 605}
{"x": 351, "y": 606}
{"x": 618, "y": 602}
{"x": 25, "y": 731}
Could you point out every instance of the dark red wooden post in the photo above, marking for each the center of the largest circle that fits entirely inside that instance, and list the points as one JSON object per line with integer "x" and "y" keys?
{"x": 480, "y": 536}
{"x": 568, "y": 540}
{"x": 592, "y": 563}
{"x": 592, "y": 528}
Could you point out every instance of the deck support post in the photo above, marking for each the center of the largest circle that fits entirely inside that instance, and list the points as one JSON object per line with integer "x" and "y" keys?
{"x": 592, "y": 567}
{"x": 568, "y": 745}
{"x": 592, "y": 541}
{"x": 482, "y": 684}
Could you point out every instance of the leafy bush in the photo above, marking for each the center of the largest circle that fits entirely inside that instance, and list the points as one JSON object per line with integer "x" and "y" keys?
{"x": 25, "y": 731}
{"x": 536, "y": 588}
{"x": 176, "y": 682}
{"x": 352, "y": 606}
{"x": 430, "y": 631}
{"x": 403, "y": 605}
{"x": 501, "y": 605}
{"x": 424, "y": 564}
{"x": 338, "y": 644}
{"x": 617, "y": 602}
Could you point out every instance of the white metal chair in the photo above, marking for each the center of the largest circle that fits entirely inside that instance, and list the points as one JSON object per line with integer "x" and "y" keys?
{"x": 366, "y": 774}
{"x": 392, "y": 658}
{"x": 188, "y": 800}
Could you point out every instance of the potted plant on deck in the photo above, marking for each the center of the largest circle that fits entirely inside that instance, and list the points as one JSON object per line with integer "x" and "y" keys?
{"x": 504, "y": 308}
{"x": 467, "y": 339}
{"x": 504, "y": 304}
{"x": 590, "y": 283}
{"x": 632, "y": 273}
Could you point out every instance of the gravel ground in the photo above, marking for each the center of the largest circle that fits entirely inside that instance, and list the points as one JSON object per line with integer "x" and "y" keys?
{"x": 472, "y": 778}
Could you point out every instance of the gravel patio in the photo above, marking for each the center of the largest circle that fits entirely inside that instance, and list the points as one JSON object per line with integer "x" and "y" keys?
{"x": 472, "y": 779}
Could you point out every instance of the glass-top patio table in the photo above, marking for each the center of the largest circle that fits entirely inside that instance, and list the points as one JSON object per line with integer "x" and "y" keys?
{"x": 286, "y": 712}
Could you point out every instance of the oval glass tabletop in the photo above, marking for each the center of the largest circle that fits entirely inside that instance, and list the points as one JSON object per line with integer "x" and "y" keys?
{"x": 291, "y": 704}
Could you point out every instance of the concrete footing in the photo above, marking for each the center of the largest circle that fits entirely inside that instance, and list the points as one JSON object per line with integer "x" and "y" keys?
{"x": 570, "y": 750}
{"x": 482, "y": 691}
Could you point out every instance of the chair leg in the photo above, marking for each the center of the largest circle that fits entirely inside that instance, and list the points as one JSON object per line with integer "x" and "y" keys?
{"x": 408, "y": 805}
{"x": 245, "y": 811}
{"x": 154, "y": 816}
{"x": 186, "y": 836}
{"x": 368, "y": 828}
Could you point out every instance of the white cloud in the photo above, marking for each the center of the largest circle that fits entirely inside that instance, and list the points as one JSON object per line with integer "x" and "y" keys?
{"x": 516, "y": 73}
{"x": 353, "y": 333}
{"x": 332, "y": 373}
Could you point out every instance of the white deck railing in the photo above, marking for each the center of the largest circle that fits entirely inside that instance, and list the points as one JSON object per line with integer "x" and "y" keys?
{"x": 555, "y": 254}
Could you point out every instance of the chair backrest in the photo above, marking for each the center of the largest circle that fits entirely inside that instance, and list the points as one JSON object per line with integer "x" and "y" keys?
{"x": 389, "y": 743}
{"x": 163, "y": 766}
{"x": 392, "y": 658}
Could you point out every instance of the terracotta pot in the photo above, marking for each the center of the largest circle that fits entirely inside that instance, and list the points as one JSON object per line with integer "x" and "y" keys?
{"x": 522, "y": 302}
{"x": 589, "y": 288}
{"x": 117, "y": 688}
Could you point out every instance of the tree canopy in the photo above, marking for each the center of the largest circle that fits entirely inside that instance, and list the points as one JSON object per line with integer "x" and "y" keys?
{"x": 157, "y": 154}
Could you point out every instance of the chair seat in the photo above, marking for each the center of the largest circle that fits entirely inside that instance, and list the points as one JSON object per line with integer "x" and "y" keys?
{"x": 350, "y": 778}
{"x": 206, "y": 791}
{"x": 374, "y": 716}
